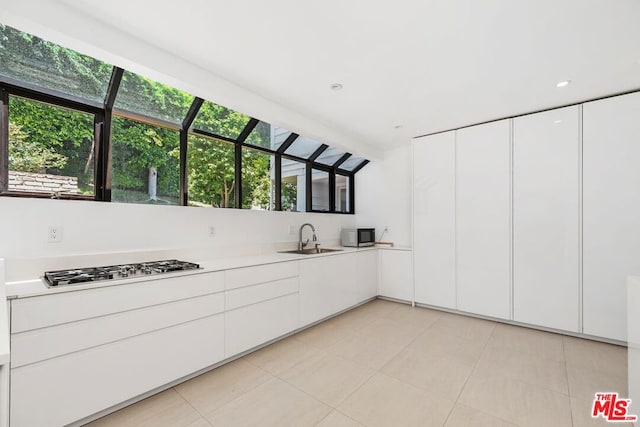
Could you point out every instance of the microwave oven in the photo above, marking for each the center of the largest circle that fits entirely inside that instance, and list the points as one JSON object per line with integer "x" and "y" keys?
{"x": 358, "y": 237}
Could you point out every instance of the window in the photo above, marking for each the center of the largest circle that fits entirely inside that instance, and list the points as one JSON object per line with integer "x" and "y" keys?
{"x": 149, "y": 98}
{"x": 342, "y": 193}
{"x": 51, "y": 149}
{"x": 80, "y": 128}
{"x": 320, "y": 191}
{"x": 257, "y": 180}
{"x": 146, "y": 166}
{"x": 211, "y": 165}
{"x": 292, "y": 193}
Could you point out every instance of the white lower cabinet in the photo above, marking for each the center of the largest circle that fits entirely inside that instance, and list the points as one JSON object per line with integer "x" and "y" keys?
{"x": 396, "y": 278}
{"x": 316, "y": 297}
{"x": 366, "y": 275}
{"x": 58, "y": 391}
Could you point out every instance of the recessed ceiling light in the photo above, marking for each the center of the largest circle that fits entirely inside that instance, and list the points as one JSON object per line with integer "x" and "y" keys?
{"x": 563, "y": 83}
{"x": 557, "y": 121}
{"x": 336, "y": 86}
{"x": 397, "y": 127}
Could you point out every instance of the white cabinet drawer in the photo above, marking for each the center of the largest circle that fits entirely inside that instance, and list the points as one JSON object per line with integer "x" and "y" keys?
{"x": 59, "y": 391}
{"x": 33, "y": 346}
{"x": 248, "y": 295}
{"x": 39, "y": 312}
{"x": 260, "y": 274}
{"x": 256, "y": 324}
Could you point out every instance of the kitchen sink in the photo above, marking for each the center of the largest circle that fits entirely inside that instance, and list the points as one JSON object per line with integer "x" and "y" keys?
{"x": 310, "y": 251}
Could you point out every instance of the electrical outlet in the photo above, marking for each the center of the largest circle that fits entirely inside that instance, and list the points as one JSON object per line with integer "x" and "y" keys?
{"x": 54, "y": 234}
{"x": 386, "y": 228}
{"x": 212, "y": 231}
{"x": 292, "y": 230}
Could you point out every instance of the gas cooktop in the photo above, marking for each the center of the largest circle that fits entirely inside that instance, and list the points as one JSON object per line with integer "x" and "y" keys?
{"x": 123, "y": 271}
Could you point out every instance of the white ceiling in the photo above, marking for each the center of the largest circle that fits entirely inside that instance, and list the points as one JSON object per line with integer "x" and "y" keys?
{"x": 426, "y": 65}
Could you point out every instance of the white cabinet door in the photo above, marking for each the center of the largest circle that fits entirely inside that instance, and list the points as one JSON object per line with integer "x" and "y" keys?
{"x": 546, "y": 212}
{"x": 611, "y": 189}
{"x": 316, "y": 296}
{"x": 483, "y": 219}
{"x": 434, "y": 219}
{"x": 366, "y": 275}
{"x": 341, "y": 276}
{"x": 396, "y": 278}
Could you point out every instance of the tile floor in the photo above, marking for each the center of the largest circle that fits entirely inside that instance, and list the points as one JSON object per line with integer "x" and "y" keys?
{"x": 387, "y": 364}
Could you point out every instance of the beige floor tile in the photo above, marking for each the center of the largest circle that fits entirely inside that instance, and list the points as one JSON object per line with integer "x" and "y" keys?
{"x": 323, "y": 335}
{"x": 365, "y": 350}
{"x": 380, "y": 307}
{"x": 164, "y": 409}
{"x": 516, "y": 401}
{"x": 328, "y": 378}
{"x": 338, "y": 419}
{"x": 463, "y": 416}
{"x": 542, "y": 344}
{"x": 384, "y": 401}
{"x": 436, "y": 342}
{"x": 527, "y": 367}
{"x": 469, "y": 328}
{"x": 273, "y": 403}
{"x": 581, "y": 413}
{"x": 584, "y": 383}
{"x": 414, "y": 316}
{"x": 354, "y": 319}
{"x": 281, "y": 356}
{"x": 387, "y": 331}
{"x": 438, "y": 375}
{"x": 212, "y": 390}
{"x": 202, "y": 422}
{"x": 596, "y": 356}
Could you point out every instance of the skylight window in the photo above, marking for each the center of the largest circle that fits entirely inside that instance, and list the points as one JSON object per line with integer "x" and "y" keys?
{"x": 303, "y": 147}
{"x": 330, "y": 156}
{"x": 218, "y": 120}
{"x": 351, "y": 163}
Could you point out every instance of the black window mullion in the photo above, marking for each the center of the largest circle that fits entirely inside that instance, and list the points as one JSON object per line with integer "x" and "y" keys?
{"x": 287, "y": 143}
{"x": 184, "y": 147}
{"x": 341, "y": 160}
{"x": 238, "y": 174}
{"x": 307, "y": 192}
{"x": 317, "y": 153}
{"x": 192, "y": 113}
{"x": 332, "y": 191}
{"x": 278, "y": 179}
{"x": 352, "y": 193}
{"x": 360, "y": 166}
{"x": 4, "y": 140}
{"x": 247, "y": 130}
{"x": 103, "y": 143}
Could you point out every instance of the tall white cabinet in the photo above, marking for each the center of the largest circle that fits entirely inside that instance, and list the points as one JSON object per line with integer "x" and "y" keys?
{"x": 483, "y": 219}
{"x": 611, "y": 211}
{"x": 546, "y": 219}
{"x": 434, "y": 219}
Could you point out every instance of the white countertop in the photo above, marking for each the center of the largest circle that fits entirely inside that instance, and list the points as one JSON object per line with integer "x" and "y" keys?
{"x": 37, "y": 287}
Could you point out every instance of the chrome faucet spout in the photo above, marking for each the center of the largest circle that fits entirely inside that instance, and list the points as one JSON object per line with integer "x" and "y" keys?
{"x": 302, "y": 244}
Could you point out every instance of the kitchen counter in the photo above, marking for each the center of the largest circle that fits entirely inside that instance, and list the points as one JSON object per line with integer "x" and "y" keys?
{"x": 37, "y": 287}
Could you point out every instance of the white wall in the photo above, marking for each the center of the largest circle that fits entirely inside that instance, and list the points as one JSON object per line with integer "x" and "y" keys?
{"x": 383, "y": 195}
{"x": 114, "y": 230}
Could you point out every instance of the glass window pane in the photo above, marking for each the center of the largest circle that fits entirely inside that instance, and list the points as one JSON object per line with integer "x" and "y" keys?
{"x": 257, "y": 180}
{"x": 260, "y": 135}
{"x": 351, "y": 163}
{"x": 319, "y": 190}
{"x": 279, "y": 136}
{"x": 293, "y": 188}
{"x": 51, "y": 149}
{"x": 330, "y": 156}
{"x": 144, "y": 96}
{"x": 218, "y": 120}
{"x": 34, "y": 61}
{"x": 303, "y": 147}
{"x": 342, "y": 193}
{"x": 211, "y": 172}
{"x": 146, "y": 163}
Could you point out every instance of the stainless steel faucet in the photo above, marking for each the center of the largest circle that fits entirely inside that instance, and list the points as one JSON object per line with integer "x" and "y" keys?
{"x": 302, "y": 244}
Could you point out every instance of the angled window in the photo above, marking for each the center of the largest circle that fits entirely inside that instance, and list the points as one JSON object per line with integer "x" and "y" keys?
{"x": 211, "y": 166}
{"x": 330, "y": 156}
{"x": 257, "y": 180}
{"x": 32, "y": 62}
{"x": 351, "y": 163}
{"x": 146, "y": 163}
{"x": 278, "y": 135}
{"x": 51, "y": 149}
{"x": 320, "y": 191}
{"x": 260, "y": 136}
{"x": 342, "y": 193}
{"x": 147, "y": 97}
{"x": 218, "y": 120}
{"x": 303, "y": 147}
{"x": 292, "y": 190}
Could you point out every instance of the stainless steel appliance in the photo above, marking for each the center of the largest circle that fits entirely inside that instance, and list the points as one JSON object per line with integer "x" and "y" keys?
{"x": 358, "y": 237}
{"x": 122, "y": 271}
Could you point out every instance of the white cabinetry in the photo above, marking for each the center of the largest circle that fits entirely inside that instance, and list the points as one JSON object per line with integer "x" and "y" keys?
{"x": 396, "y": 274}
{"x": 366, "y": 275}
{"x": 611, "y": 172}
{"x": 434, "y": 219}
{"x": 261, "y": 304}
{"x": 95, "y": 357}
{"x": 546, "y": 218}
{"x": 483, "y": 219}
